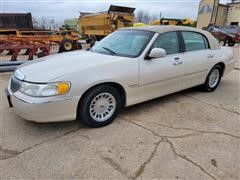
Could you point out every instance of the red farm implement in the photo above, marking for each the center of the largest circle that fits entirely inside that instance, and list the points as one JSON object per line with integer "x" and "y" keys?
{"x": 14, "y": 47}
{"x": 15, "y": 40}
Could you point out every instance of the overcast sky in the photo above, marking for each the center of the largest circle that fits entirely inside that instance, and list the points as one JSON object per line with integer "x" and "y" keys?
{"x": 63, "y": 9}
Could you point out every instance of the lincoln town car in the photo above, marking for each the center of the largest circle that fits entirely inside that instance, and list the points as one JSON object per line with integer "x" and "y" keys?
{"x": 127, "y": 67}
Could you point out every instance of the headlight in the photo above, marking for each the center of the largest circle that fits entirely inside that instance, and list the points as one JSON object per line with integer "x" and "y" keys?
{"x": 44, "y": 90}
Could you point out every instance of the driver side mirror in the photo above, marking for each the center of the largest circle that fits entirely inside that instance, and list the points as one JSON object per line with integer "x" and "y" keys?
{"x": 157, "y": 53}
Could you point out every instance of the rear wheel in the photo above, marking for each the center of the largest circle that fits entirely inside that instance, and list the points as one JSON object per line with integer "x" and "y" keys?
{"x": 213, "y": 79}
{"x": 99, "y": 106}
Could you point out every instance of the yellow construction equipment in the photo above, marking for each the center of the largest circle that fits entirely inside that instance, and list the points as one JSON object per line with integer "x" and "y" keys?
{"x": 139, "y": 24}
{"x": 95, "y": 26}
{"x": 171, "y": 21}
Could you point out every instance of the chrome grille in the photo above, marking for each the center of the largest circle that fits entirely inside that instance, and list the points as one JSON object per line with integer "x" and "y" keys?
{"x": 15, "y": 84}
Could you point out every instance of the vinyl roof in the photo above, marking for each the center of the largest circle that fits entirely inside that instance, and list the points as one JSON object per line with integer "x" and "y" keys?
{"x": 165, "y": 28}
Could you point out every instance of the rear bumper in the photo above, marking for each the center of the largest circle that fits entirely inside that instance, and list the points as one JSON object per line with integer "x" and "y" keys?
{"x": 229, "y": 67}
{"x": 47, "y": 111}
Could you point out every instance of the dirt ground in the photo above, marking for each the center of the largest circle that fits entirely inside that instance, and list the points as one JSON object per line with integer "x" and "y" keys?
{"x": 186, "y": 135}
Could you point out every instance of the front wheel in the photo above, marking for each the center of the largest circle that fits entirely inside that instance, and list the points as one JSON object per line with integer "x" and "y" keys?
{"x": 99, "y": 106}
{"x": 213, "y": 79}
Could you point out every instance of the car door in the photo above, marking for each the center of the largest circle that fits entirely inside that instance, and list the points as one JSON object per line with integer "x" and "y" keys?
{"x": 161, "y": 76}
{"x": 197, "y": 56}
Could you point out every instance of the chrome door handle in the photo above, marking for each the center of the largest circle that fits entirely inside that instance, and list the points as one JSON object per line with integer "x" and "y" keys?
{"x": 177, "y": 61}
{"x": 210, "y": 56}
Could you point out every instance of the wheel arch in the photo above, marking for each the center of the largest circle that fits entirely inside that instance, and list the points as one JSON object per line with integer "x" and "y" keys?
{"x": 118, "y": 86}
{"x": 222, "y": 66}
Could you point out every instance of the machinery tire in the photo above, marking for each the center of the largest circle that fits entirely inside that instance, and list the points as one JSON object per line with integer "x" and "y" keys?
{"x": 231, "y": 42}
{"x": 99, "y": 106}
{"x": 88, "y": 40}
{"x": 66, "y": 45}
{"x": 222, "y": 42}
{"x": 93, "y": 39}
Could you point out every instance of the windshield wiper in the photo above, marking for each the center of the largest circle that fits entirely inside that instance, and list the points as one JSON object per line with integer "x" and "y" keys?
{"x": 109, "y": 50}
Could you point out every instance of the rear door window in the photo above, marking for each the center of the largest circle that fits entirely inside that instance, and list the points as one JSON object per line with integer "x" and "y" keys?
{"x": 194, "y": 41}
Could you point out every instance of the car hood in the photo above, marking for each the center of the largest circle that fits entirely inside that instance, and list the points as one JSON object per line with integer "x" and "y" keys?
{"x": 51, "y": 67}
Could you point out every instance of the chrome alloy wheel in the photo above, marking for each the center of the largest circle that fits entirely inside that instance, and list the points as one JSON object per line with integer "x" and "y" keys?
{"x": 102, "y": 107}
{"x": 214, "y": 78}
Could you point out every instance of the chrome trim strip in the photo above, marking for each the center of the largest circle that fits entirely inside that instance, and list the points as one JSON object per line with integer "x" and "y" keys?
{"x": 133, "y": 86}
{"x": 154, "y": 82}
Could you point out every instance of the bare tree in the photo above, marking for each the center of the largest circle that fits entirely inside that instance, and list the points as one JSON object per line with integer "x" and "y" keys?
{"x": 45, "y": 23}
{"x": 139, "y": 16}
{"x": 144, "y": 17}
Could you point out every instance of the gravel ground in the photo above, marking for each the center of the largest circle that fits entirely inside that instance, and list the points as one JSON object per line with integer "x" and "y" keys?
{"x": 186, "y": 135}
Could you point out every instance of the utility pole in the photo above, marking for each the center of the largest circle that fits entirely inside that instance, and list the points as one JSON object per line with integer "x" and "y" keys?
{"x": 160, "y": 16}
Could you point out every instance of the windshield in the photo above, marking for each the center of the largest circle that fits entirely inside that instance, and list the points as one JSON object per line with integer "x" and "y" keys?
{"x": 128, "y": 43}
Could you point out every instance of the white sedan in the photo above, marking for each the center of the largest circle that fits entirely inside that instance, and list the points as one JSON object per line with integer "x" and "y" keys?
{"x": 127, "y": 67}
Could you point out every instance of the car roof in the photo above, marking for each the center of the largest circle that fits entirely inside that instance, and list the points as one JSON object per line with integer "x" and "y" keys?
{"x": 162, "y": 28}
{"x": 168, "y": 28}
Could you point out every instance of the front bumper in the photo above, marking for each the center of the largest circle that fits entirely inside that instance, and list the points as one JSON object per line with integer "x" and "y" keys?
{"x": 8, "y": 98}
{"x": 64, "y": 109}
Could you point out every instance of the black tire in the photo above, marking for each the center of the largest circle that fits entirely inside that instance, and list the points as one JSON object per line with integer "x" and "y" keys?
{"x": 231, "y": 42}
{"x": 66, "y": 45}
{"x": 88, "y": 40}
{"x": 83, "y": 111}
{"x": 206, "y": 85}
{"x": 93, "y": 39}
